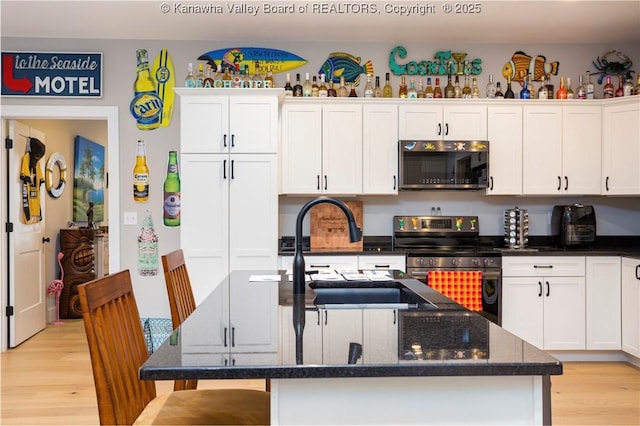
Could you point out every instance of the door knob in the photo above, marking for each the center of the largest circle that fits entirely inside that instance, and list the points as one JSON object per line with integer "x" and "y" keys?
{"x": 46, "y": 240}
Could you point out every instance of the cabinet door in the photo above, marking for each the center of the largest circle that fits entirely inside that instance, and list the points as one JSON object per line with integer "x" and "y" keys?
{"x": 603, "y": 302}
{"x": 342, "y": 149}
{"x": 564, "y": 313}
{"x": 311, "y": 337}
{"x": 465, "y": 122}
{"x": 621, "y": 149}
{"x": 204, "y": 230}
{"x": 380, "y": 336}
{"x": 196, "y": 341}
{"x": 382, "y": 262}
{"x": 253, "y": 207}
{"x": 420, "y": 122}
{"x": 253, "y": 124}
{"x": 204, "y": 124}
{"x": 581, "y": 149}
{"x": 380, "y": 149}
{"x": 340, "y": 327}
{"x": 542, "y": 150}
{"x": 504, "y": 127}
{"x": 522, "y": 308}
{"x": 631, "y": 306}
{"x": 301, "y": 151}
{"x": 257, "y": 332}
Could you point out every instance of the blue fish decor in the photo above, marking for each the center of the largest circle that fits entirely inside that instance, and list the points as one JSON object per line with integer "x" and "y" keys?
{"x": 340, "y": 64}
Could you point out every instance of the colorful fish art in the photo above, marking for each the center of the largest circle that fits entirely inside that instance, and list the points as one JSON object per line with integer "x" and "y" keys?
{"x": 340, "y": 64}
{"x": 278, "y": 60}
{"x": 522, "y": 64}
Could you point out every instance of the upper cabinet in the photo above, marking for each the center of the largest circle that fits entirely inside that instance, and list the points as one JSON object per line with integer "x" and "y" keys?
{"x": 237, "y": 121}
{"x": 504, "y": 130}
{"x": 438, "y": 122}
{"x": 380, "y": 149}
{"x": 621, "y": 147}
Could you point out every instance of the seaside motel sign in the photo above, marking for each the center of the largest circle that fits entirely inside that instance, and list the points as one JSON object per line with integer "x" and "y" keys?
{"x": 53, "y": 75}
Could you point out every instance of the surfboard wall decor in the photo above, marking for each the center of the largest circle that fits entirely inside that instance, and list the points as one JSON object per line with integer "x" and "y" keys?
{"x": 258, "y": 59}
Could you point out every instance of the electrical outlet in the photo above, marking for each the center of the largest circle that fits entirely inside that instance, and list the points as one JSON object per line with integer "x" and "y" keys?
{"x": 130, "y": 218}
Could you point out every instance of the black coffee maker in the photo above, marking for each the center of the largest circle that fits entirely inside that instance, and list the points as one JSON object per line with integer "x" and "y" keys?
{"x": 573, "y": 225}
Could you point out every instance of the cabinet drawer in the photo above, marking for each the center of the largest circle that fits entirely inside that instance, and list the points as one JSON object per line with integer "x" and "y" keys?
{"x": 548, "y": 266}
{"x": 321, "y": 263}
{"x": 382, "y": 262}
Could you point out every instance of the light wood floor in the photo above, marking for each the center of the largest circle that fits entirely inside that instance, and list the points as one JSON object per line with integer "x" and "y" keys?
{"x": 48, "y": 381}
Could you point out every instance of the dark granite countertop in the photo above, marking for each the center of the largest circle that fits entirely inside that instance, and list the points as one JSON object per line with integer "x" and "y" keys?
{"x": 447, "y": 340}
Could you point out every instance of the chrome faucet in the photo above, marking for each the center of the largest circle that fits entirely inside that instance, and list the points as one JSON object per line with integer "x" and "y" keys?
{"x": 355, "y": 234}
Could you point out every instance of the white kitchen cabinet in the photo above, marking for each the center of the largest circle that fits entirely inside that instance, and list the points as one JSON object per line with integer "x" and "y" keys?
{"x": 621, "y": 147}
{"x": 437, "y": 122}
{"x": 581, "y": 149}
{"x": 388, "y": 262}
{"x": 603, "y": 302}
{"x": 631, "y": 306}
{"x": 543, "y": 300}
{"x": 322, "y": 263}
{"x": 322, "y": 148}
{"x": 380, "y": 149}
{"x": 379, "y": 336}
{"x": 340, "y": 327}
{"x": 311, "y": 336}
{"x": 229, "y": 216}
{"x": 228, "y": 121}
{"x": 504, "y": 129}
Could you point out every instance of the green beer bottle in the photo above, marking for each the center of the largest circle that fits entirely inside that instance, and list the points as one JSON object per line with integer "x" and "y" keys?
{"x": 171, "y": 204}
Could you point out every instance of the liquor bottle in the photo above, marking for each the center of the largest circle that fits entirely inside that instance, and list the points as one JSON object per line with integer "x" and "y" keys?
{"x": 619, "y": 91}
{"x": 437, "y": 91}
{"x": 200, "y": 76}
{"x": 411, "y": 90}
{"x": 491, "y": 88}
{"x": 377, "y": 91}
{"x": 525, "y": 93}
{"x": 332, "y": 92}
{"x": 475, "y": 90}
{"x": 171, "y": 206}
{"x": 306, "y": 86}
{"x": 457, "y": 90}
{"x": 543, "y": 93}
{"x": 590, "y": 87}
{"x": 190, "y": 79}
{"x": 562, "y": 90}
{"x": 258, "y": 80}
{"x": 466, "y": 90}
{"x": 387, "y": 90}
{"x": 402, "y": 89}
{"x": 550, "y": 87}
{"x": 323, "y": 91}
{"x": 448, "y": 89}
{"x": 421, "y": 93}
{"x": 430, "y": 92}
{"x": 627, "y": 87}
{"x": 226, "y": 78}
{"x": 570, "y": 94}
{"x": 141, "y": 175}
{"x": 297, "y": 88}
{"x": 581, "y": 91}
{"x": 342, "y": 89}
{"x": 314, "y": 87}
{"x": 637, "y": 89}
{"x": 269, "y": 80}
{"x": 499, "y": 94}
{"x": 208, "y": 78}
{"x": 146, "y": 106}
{"x": 352, "y": 92}
{"x": 236, "y": 77}
{"x": 368, "y": 88}
{"x": 508, "y": 94}
{"x": 147, "y": 248}
{"x": 532, "y": 88}
{"x": 608, "y": 90}
{"x": 288, "y": 88}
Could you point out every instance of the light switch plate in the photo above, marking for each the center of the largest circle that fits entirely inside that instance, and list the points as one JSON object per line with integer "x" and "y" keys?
{"x": 130, "y": 218}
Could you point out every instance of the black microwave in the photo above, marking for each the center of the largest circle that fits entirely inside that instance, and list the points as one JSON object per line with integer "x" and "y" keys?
{"x": 443, "y": 164}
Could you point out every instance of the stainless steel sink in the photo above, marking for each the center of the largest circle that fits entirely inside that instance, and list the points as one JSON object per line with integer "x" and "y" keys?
{"x": 366, "y": 295}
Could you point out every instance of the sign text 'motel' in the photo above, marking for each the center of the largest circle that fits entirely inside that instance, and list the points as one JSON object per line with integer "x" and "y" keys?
{"x": 58, "y": 75}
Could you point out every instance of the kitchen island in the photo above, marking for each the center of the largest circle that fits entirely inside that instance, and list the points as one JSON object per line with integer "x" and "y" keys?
{"x": 425, "y": 363}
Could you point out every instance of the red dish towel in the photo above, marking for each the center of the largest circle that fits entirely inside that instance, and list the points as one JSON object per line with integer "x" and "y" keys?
{"x": 464, "y": 287}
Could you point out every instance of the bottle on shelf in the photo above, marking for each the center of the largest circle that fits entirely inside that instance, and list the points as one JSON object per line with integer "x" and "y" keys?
{"x": 627, "y": 87}
{"x": 608, "y": 90}
{"x": 190, "y": 79}
{"x": 368, "y": 88}
{"x": 466, "y": 90}
{"x": 508, "y": 94}
{"x": 146, "y": 104}
{"x": 437, "y": 91}
{"x": 550, "y": 87}
{"x": 491, "y": 88}
{"x": 200, "y": 76}
{"x": 141, "y": 175}
{"x": 411, "y": 90}
{"x": 331, "y": 91}
{"x": 258, "y": 80}
{"x": 570, "y": 94}
{"x": 429, "y": 91}
{"x": 532, "y": 88}
{"x": 171, "y": 205}
{"x": 269, "y": 80}
{"x": 421, "y": 94}
{"x": 315, "y": 89}
{"x": 352, "y": 92}
{"x": 449, "y": 92}
{"x": 208, "y": 78}
{"x": 637, "y": 89}
{"x": 591, "y": 88}
{"x": 237, "y": 77}
{"x": 377, "y": 90}
{"x": 562, "y": 90}
{"x": 306, "y": 86}
{"x": 147, "y": 247}
{"x": 323, "y": 90}
{"x": 402, "y": 89}
{"x": 297, "y": 88}
{"x": 499, "y": 94}
{"x": 581, "y": 90}
{"x": 457, "y": 90}
{"x": 226, "y": 78}
{"x": 387, "y": 90}
{"x": 288, "y": 88}
{"x": 246, "y": 78}
{"x": 525, "y": 93}
{"x": 342, "y": 89}
{"x": 543, "y": 92}
{"x": 619, "y": 91}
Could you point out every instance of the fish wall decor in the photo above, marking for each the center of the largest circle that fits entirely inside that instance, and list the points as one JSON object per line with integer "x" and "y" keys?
{"x": 340, "y": 64}
{"x": 522, "y": 64}
{"x": 260, "y": 57}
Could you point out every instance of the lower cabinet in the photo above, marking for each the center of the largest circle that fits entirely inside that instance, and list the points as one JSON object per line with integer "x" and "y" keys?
{"x": 603, "y": 303}
{"x": 631, "y": 306}
{"x": 328, "y": 334}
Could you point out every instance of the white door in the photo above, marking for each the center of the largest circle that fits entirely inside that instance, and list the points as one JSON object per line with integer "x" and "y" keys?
{"x": 26, "y": 253}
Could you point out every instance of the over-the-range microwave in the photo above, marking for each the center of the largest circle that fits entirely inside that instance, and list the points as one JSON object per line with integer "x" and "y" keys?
{"x": 443, "y": 164}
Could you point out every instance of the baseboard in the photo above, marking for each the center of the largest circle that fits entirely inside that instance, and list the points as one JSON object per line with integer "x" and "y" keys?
{"x": 595, "y": 356}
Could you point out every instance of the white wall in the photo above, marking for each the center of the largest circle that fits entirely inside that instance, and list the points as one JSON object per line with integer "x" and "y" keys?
{"x": 119, "y": 74}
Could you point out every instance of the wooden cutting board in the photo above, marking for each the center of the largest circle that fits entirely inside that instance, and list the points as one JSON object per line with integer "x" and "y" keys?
{"x": 329, "y": 228}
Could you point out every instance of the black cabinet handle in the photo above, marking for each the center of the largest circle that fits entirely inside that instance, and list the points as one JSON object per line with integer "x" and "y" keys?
{"x": 46, "y": 239}
{"x": 543, "y": 266}
{"x": 395, "y": 316}
{"x": 606, "y": 183}
{"x": 446, "y": 129}
{"x": 439, "y": 129}
{"x": 491, "y": 183}
{"x": 232, "y": 173}
{"x": 318, "y": 317}
{"x": 325, "y": 317}
{"x": 233, "y": 337}
{"x": 381, "y": 266}
{"x": 224, "y": 140}
{"x": 225, "y": 337}
{"x": 637, "y": 272}
{"x": 559, "y": 183}
{"x": 566, "y": 183}
{"x": 319, "y": 266}
{"x": 224, "y": 169}
{"x": 233, "y": 141}
{"x": 318, "y": 178}
{"x": 325, "y": 182}
{"x": 394, "y": 182}
{"x": 548, "y": 288}
{"x": 540, "y": 288}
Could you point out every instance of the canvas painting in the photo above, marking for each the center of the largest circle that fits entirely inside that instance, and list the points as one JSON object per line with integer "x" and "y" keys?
{"x": 88, "y": 179}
